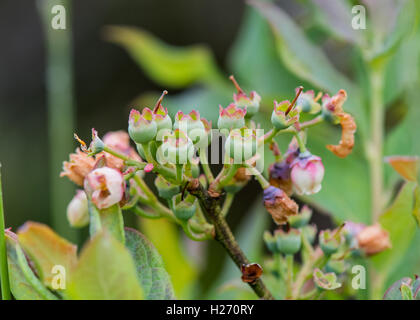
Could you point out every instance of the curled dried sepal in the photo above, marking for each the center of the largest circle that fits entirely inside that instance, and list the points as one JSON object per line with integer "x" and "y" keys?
{"x": 279, "y": 205}
{"x": 119, "y": 141}
{"x": 334, "y": 106}
{"x": 251, "y": 272}
{"x": 78, "y": 167}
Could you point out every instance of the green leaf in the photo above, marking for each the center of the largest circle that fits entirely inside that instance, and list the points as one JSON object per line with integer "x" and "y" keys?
{"x": 46, "y": 249}
{"x": 149, "y": 266}
{"x": 406, "y": 166}
{"x": 105, "y": 271}
{"x": 406, "y": 292}
{"x": 404, "y": 138}
{"x": 255, "y": 63}
{"x": 394, "y": 292}
{"x": 21, "y": 288}
{"x": 336, "y": 18}
{"x": 180, "y": 269}
{"x": 112, "y": 221}
{"x": 399, "y": 222}
{"x": 167, "y": 65}
{"x": 406, "y": 16}
{"x": 416, "y": 289}
{"x": 416, "y": 209}
{"x": 402, "y": 71}
{"x": 306, "y": 60}
{"x": 31, "y": 277}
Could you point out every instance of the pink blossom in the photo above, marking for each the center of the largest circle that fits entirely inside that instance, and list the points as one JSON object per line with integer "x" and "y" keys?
{"x": 307, "y": 174}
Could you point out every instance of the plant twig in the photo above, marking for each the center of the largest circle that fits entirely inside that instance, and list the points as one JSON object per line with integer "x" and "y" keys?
{"x": 224, "y": 235}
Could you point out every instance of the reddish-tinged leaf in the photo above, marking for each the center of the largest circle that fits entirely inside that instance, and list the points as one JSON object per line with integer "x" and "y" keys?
{"x": 47, "y": 249}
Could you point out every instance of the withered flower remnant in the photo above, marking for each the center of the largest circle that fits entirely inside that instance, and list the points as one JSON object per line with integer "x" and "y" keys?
{"x": 279, "y": 205}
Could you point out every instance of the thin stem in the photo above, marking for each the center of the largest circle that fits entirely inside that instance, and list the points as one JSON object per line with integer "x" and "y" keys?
{"x": 270, "y": 135}
{"x": 289, "y": 278}
{"x": 34, "y": 281}
{"x": 224, "y": 235}
{"x": 143, "y": 186}
{"x": 309, "y": 295}
{"x": 192, "y": 235}
{"x": 126, "y": 159}
{"x": 152, "y": 201}
{"x": 274, "y": 147}
{"x": 167, "y": 173}
{"x": 144, "y": 213}
{"x": 179, "y": 168}
{"x": 227, "y": 204}
{"x": 312, "y": 122}
{"x": 199, "y": 227}
{"x": 375, "y": 152}
{"x": 231, "y": 171}
{"x": 302, "y": 147}
{"x": 205, "y": 165}
{"x": 4, "y": 270}
{"x": 274, "y": 132}
{"x": 306, "y": 272}
{"x": 279, "y": 265}
{"x": 163, "y": 211}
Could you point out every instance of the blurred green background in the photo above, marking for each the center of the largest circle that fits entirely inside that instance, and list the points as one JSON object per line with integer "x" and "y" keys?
{"x": 105, "y": 80}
